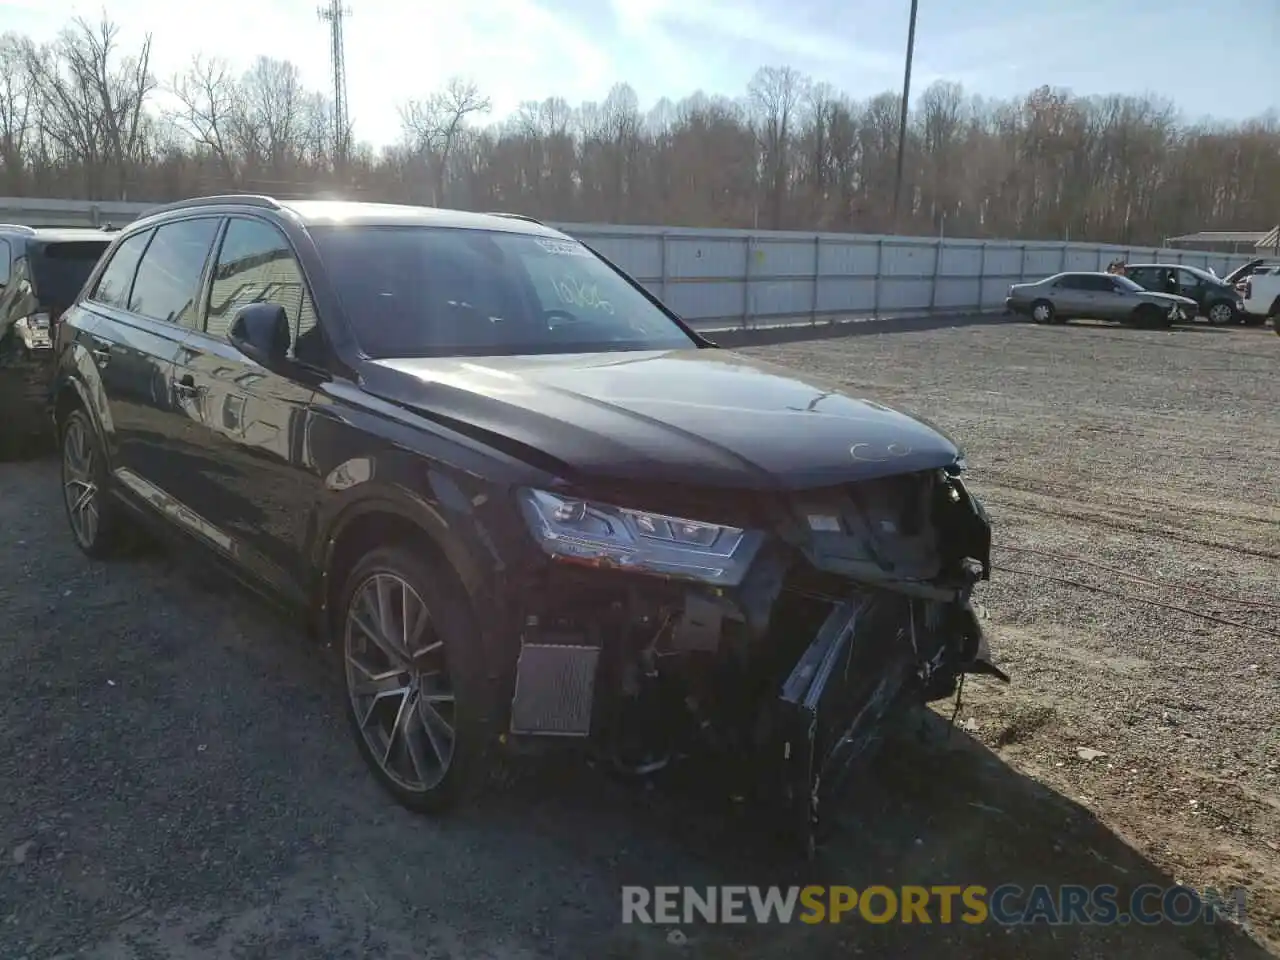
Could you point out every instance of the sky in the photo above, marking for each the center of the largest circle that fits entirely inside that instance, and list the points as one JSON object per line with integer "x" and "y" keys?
{"x": 1209, "y": 59}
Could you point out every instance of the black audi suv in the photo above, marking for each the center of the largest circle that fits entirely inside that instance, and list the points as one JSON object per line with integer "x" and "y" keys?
{"x": 517, "y": 499}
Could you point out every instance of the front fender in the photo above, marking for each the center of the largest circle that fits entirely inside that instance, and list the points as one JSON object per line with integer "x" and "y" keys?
{"x": 460, "y": 539}
{"x": 335, "y": 518}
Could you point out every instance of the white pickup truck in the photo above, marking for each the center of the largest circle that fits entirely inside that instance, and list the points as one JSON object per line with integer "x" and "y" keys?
{"x": 1259, "y": 284}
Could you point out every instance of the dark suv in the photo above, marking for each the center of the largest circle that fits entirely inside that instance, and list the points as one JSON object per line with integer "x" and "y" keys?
{"x": 1216, "y": 299}
{"x": 519, "y": 499}
{"x": 41, "y": 273}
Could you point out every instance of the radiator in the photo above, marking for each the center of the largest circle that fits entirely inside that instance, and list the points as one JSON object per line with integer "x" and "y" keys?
{"x": 555, "y": 688}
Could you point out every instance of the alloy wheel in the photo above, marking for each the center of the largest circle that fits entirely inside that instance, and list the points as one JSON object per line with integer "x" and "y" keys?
{"x": 398, "y": 683}
{"x": 79, "y": 483}
{"x": 1220, "y": 313}
{"x": 1041, "y": 313}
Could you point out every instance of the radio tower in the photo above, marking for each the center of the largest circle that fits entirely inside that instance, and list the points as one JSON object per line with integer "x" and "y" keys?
{"x": 334, "y": 13}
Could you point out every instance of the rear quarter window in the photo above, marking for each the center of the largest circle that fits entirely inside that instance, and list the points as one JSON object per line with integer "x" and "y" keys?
{"x": 168, "y": 279}
{"x": 117, "y": 279}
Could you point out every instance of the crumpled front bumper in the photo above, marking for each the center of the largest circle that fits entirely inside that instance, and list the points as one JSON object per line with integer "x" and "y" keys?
{"x": 859, "y": 606}
{"x": 863, "y": 664}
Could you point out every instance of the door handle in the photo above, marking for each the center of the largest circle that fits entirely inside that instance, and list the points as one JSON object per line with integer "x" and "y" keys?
{"x": 184, "y": 385}
{"x": 101, "y": 351}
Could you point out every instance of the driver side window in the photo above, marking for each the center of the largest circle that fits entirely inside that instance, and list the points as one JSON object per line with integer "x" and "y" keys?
{"x": 256, "y": 264}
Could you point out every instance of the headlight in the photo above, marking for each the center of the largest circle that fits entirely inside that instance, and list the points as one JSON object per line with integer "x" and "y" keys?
{"x": 637, "y": 540}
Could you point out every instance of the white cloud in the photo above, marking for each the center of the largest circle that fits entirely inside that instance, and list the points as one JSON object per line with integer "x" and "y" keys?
{"x": 743, "y": 22}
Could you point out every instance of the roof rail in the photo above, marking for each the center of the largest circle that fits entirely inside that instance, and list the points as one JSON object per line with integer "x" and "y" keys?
{"x": 237, "y": 199}
{"x": 518, "y": 216}
{"x": 19, "y": 227}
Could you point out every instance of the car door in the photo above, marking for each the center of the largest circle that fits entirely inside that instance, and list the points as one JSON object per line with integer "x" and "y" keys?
{"x": 1070, "y": 298}
{"x": 1193, "y": 286}
{"x": 1112, "y": 300}
{"x": 251, "y": 420}
{"x": 145, "y": 302}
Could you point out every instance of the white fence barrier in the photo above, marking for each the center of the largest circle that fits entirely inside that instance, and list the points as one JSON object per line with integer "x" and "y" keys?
{"x": 739, "y": 278}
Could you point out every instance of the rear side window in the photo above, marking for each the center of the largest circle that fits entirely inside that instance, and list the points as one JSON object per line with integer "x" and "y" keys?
{"x": 6, "y": 256}
{"x": 117, "y": 279}
{"x": 168, "y": 281}
{"x": 256, "y": 264}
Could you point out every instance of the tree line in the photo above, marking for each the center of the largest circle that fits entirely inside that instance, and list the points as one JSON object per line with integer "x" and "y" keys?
{"x": 85, "y": 117}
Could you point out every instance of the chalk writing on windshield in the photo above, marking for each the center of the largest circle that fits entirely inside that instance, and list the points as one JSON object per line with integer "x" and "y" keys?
{"x": 564, "y": 248}
{"x": 574, "y": 293}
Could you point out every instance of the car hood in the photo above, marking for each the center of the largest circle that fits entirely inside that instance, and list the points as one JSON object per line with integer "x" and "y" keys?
{"x": 710, "y": 418}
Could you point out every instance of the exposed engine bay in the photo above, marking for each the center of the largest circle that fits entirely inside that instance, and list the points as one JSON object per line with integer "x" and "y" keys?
{"x": 778, "y": 654}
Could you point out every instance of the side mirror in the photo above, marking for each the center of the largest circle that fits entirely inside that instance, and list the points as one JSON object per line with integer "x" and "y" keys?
{"x": 261, "y": 332}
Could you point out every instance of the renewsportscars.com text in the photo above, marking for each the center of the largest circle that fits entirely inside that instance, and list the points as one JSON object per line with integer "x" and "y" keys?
{"x": 1008, "y": 905}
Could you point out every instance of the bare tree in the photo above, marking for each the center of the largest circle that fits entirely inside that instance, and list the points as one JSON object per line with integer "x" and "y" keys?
{"x": 94, "y": 102}
{"x": 77, "y": 118}
{"x": 211, "y": 107}
{"x": 17, "y": 108}
{"x": 776, "y": 94}
{"x": 433, "y": 126}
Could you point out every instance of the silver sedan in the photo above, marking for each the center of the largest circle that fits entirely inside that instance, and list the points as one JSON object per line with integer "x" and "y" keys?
{"x": 1097, "y": 296}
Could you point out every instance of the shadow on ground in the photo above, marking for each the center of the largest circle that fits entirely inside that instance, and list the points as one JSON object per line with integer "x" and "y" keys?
{"x": 936, "y": 809}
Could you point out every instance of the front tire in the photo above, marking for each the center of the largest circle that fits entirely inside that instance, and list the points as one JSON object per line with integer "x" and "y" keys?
{"x": 1042, "y": 312}
{"x": 411, "y": 669}
{"x": 1222, "y": 313}
{"x": 93, "y": 516}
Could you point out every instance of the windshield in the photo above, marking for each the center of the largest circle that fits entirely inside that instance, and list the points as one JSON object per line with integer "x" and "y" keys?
{"x": 59, "y": 270}
{"x": 437, "y": 292}
{"x": 1202, "y": 274}
{"x": 1128, "y": 284}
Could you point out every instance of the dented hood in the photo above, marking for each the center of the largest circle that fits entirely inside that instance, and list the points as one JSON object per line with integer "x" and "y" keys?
{"x": 707, "y": 417}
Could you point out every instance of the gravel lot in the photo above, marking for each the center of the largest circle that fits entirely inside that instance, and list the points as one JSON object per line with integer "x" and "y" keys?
{"x": 179, "y": 783}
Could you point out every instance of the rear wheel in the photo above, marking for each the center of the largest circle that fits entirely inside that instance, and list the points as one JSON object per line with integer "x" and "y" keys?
{"x": 411, "y": 669}
{"x": 93, "y": 516}
{"x": 1042, "y": 312}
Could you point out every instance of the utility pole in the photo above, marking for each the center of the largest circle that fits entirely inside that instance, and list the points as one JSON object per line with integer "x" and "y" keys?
{"x": 334, "y": 13}
{"x": 902, "y": 120}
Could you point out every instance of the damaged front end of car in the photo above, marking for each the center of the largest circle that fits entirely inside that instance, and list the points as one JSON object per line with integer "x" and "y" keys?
{"x": 773, "y": 650}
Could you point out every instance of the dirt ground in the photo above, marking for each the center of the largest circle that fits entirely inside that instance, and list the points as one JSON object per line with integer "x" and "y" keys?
{"x": 178, "y": 781}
